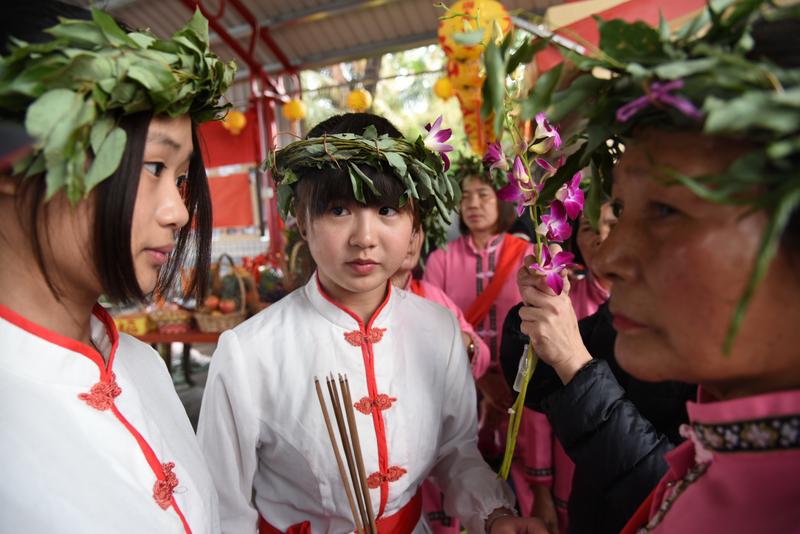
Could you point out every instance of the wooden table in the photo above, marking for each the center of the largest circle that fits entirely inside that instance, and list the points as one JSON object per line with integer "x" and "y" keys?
{"x": 187, "y": 338}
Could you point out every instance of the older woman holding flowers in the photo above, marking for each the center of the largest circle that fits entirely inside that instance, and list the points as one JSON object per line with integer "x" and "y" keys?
{"x": 703, "y": 262}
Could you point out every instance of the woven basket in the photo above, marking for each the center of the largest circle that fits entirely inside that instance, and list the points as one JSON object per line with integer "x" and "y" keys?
{"x": 208, "y": 322}
{"x": 172, "y": 321}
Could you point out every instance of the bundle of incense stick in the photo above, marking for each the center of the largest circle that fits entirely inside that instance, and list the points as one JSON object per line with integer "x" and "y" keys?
{"x": 355, "y": 486}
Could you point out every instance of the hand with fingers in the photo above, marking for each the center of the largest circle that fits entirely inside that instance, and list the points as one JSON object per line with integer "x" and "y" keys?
{"x": 549, "y": 321}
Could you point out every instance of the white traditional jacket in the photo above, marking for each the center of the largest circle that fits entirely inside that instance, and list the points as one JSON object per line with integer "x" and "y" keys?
{"x": 89, "y": 447}
{"x": 264, "y": 435}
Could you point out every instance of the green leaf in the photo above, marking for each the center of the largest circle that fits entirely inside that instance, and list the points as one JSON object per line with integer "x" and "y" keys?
{"x": 366, "y": 179}
{"x": 23, "y": 164}
{"x": 397, "y": 162}
{"x": 471, "y": 38}
{"x": 55, "y": 179}
{"x": 630, "y": 42}
{"x": 370, "y": 132}
{"x": 284, "y": 200}
{"x": 78, "y": 32}
{"x": 198, "y": 25}
{"x": 113, "y": 33}
{"x": 682, "y": 69}
{"x": 594, "y": 199}
{"x": 153, "y": 76}
{"x": 107, "y": 158}
{"x": 787, "y": 204}
{"x": 494, "y": 86}
{"x": 142, "y": 39}
{"x": 539, "y": 98}
{"x": 48, "y": 109}
{"x": 524, "y": 54}
{"x": 358, "y": 190}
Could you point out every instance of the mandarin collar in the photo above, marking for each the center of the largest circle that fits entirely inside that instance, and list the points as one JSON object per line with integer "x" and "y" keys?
{"x": 340, "y": 315}
{"x": 491, "y": 245}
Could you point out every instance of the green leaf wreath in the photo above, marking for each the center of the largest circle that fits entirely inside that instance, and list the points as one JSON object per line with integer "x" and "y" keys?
{"x": 71, "y": 92}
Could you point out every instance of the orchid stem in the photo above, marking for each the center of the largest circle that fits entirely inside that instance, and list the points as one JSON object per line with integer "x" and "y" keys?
{"x": 516, "y": 415}
{"x": 515, "y": 419}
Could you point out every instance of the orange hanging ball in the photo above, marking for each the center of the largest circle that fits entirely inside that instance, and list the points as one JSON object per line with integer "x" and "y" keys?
{"x": 234, "y": 122}
{"x": 294, "y": 110}
{"x": 359, "y": 100}
{"x": 443, "y": 88}
{"x": 479, "y": 13}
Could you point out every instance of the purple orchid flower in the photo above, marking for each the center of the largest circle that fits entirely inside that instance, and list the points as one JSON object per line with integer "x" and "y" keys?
{"x": 494, "y": 157}
{"x": 555, "y": 224}
{"x": 518, "y": 190}
{"x": 519, "y": 173}
{"x": 435, "y": 140}
{"x": 551, "y": 268}
{"x": 571, "y": 195}
{"x": 548, "y": 135}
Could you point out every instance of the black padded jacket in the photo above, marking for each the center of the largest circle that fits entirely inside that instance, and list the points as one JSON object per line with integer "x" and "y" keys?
{"x": 614, "y": 427}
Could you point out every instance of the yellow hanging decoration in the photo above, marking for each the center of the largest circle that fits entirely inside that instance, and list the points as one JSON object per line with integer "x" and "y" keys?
{"x": 479, "y": 13}
{"x": 234, "y": 122}
{"x": 294, "y": 110}
{"x": 359, "y": 100}
{"x": 443, "y": 88}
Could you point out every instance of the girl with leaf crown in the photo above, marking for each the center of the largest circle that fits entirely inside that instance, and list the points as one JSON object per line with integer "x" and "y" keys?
{"x": 108, "y": 197}
{"x": 703, "y": 263}
{"x": 357, "y": 188}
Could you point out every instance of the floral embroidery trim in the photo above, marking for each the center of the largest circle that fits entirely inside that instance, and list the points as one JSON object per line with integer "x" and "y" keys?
{"x": 367, "y": 405}
{"x": 691, "y": 476}
{"x": 101, "y": 396}
{"x": 357, "y": 338}
{"x": 163, "y": 489}
{"x": 392, "y": 474}
{"x": 777, "y": 433}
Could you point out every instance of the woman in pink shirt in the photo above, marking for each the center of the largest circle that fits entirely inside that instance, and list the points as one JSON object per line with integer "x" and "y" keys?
{"x": 680, "y": 266}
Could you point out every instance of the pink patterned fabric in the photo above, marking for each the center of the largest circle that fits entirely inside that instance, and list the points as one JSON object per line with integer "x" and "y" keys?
{"x": 751, "y": 447}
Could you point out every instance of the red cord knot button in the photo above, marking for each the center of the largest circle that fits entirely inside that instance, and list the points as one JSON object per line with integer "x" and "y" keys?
{"x": 357, "y": 338}
{"x": 101, "y": 396}
{"x": 392, "y": 474}
{"x": 162, "y": 489}
{"x": 367, "y": 405}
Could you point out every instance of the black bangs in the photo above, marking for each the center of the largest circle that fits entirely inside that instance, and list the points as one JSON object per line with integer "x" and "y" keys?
{"x": 321, "y": 189}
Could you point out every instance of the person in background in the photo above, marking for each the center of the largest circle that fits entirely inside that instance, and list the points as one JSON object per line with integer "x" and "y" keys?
{"x": 476, "y": 271}
{"x": 112, "y": 201}
{"x": 477, "y": 352}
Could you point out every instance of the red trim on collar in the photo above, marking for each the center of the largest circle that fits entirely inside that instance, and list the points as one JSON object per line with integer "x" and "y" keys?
{"x": 68, "y": 343}
{"x": 353, "y": 314}
{"x": 105, "y": 372}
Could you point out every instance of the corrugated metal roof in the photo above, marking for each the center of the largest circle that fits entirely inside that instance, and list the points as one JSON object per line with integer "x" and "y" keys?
{"x": 310, "y": 33}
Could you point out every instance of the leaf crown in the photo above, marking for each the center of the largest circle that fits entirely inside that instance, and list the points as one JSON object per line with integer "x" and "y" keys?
{"x": 419, "y": 169}
{"x": 714, "y": 84}
{"x": 71, "y": 92}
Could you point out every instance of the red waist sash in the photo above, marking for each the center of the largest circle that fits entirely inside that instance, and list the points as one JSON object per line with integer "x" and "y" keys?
{"x": 402, "y": 521}
{"x": 510, "y": 260}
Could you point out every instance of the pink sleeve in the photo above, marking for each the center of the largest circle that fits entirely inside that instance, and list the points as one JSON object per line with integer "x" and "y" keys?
{"x": 535, "y": 448}
{"x": 481, "y": 359}
{"x": 434, "y": 269}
